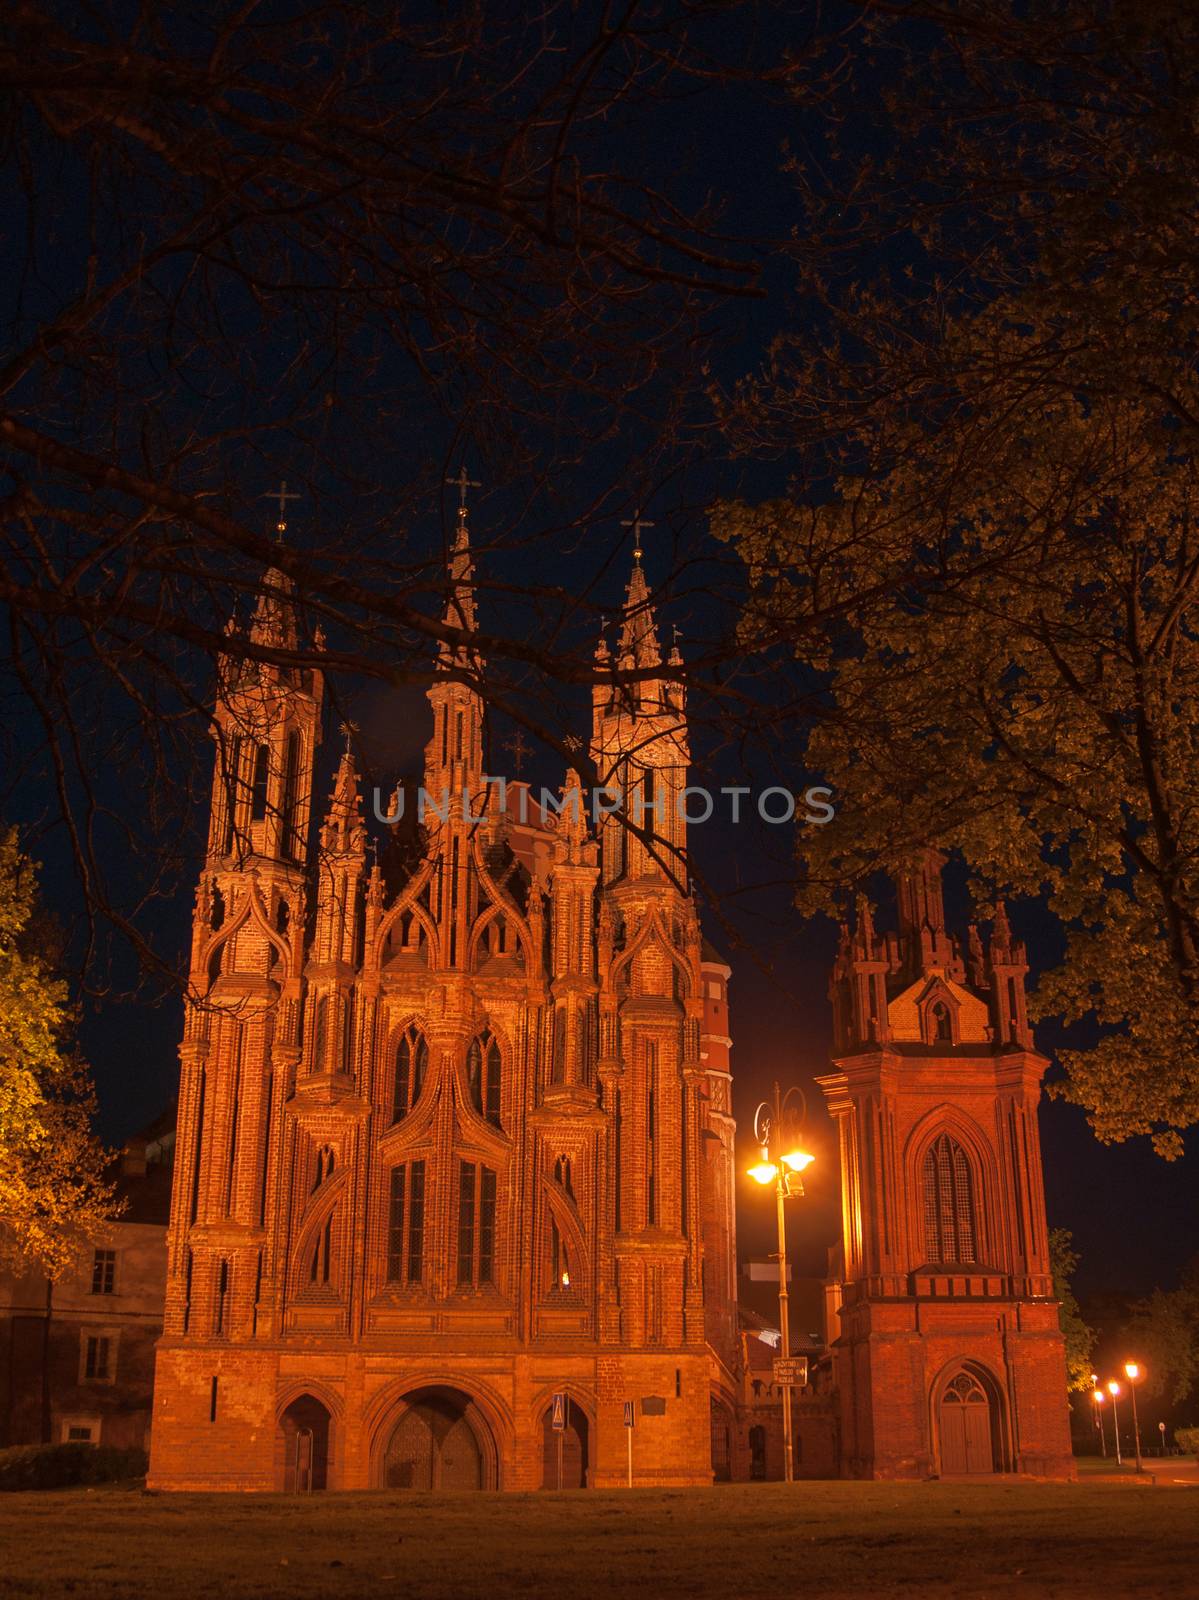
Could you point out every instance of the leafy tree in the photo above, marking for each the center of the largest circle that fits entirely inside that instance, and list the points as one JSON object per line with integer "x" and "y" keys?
{"x": 53, "y": 1193}
{"x": 1080, "y": 1338}
{"x": 990, "y": 549}
{"x": 1164, "y": 1334}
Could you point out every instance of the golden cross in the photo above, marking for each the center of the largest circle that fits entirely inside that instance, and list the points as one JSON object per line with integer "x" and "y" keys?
{"x": 637, "y": 522}
{"x": 463, "y": 484}
{"x": 519, "y": 749}
{"x": 349, "y": 729}
{"x": 282, "y": 495}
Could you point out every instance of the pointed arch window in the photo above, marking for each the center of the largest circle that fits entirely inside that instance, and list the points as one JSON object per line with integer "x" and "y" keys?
{"x": 262, "y": 762}
{"x": 412, "y": 1058}
{"x": 291, "y": 795}
{"x": 325, "y": 1162}
{"x": 947, "y": 1181}
{"x": 559, "y": 1261}
{"x": 562, "y": 1175}
{"x": 483, "y": 1076}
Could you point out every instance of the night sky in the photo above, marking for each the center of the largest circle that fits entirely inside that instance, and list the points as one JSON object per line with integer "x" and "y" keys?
{"x": 1133, "y": 1216}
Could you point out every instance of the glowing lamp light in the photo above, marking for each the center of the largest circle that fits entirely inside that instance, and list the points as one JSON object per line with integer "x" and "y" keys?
{"x": 764, "y": 1172}
{"x": 797, "y": 1160}
{"x": 566, "y": 1280}
{"x": 1100, "y": 1397}
{"x": 1113, "y": 1388}
{"x": 1132, "y": 1371}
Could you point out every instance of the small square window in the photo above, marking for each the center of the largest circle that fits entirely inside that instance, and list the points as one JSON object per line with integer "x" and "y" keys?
{"x": 80, "y": 1430}
{"x": 104, "y": 1272}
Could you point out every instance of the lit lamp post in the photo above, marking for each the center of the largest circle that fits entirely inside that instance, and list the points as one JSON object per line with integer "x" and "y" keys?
{"x": 1113, "y": 1389}
{"x": 1133, "y": 1373}
{"x": 777, "y": 1131}
{"x": 1097, "y": 1396}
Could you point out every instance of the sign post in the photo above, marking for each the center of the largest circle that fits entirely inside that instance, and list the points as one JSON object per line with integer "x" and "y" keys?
{"x": 789, "y": 1370}
{"x": 559, "y": 1426}
{"x": 628, "y": 1428}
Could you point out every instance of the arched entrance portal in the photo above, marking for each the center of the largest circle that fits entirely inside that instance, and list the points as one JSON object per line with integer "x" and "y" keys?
{"x": 967, "y": 1427}
{"x": 304, "y": 1428}
{"x": 564, "y": 1450}
{"x": 440, "y": 1442}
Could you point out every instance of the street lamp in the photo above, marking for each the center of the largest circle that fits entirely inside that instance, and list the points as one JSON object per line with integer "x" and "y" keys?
{"x": 1098, "y": 1397}
{"x": 783, "y": 1158}
{"x": 1113, "y": 1388}
{"x": 1133, "y": 1373}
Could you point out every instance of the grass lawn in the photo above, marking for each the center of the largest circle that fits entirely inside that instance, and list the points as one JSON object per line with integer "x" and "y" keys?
{"x": 814, "y": 1541}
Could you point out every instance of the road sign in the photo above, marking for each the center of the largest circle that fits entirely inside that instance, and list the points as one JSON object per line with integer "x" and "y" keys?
{"x": 628, "y": 1413}
{"x": 559, "y": 1421}
{"x": 791, "y": 1370}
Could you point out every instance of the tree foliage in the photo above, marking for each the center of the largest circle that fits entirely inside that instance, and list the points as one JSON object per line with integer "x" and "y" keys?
{"x": 1164, "y": 1335}
{"x": 1079, "y": 1336}
{"x": 994, "y": 437}
{"x": 53, "y": 1192}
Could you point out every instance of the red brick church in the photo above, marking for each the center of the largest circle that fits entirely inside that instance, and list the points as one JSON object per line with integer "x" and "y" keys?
{"x": 455, "y": 1153}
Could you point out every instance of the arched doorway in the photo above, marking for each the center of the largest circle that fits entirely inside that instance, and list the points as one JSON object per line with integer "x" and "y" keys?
{"x": 564, "y": 1450}
{"x": 722, "y": 1444}
{"x": 304, "y": 1428}
{"x": 440, "y": 1442}
{"x": 967, "y": 1426}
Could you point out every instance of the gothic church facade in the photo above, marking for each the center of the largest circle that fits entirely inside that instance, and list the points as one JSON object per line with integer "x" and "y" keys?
{"x": 457, "y": 1156}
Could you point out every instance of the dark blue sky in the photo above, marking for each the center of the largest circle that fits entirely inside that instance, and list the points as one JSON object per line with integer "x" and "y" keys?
{"x": 1132, "y": 1215}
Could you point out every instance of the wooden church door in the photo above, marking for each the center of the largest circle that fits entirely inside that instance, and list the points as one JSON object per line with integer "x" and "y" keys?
{"x": 966, "y": 1429}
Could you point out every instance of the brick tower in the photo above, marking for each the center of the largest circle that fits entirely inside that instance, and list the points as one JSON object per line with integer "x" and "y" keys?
{"x": 451, "y": 1147}
{"x": 950, "y": 1359}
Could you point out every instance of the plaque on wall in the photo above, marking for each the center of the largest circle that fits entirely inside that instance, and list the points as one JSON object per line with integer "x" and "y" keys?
{"x": 653, "y": 1405}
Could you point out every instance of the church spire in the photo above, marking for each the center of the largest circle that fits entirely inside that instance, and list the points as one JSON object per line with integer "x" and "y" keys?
{"x": 638, "y": 647}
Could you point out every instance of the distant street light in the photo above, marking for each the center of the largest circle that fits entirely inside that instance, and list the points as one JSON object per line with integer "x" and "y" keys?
{"x": 1134, "y": 1374}
{"x": 1097, "y": 1396}
{"x": 1113, "y": 1388}
{"x": 783, "y": 1158}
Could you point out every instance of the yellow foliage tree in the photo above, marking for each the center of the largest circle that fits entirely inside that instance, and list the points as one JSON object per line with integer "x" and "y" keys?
{"x": 53, "y": 1192}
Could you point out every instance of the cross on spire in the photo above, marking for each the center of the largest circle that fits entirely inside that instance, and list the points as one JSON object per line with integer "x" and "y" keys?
{"x": 519, "y": 749}
{"x": 463, "y": 483}
{"x": 348, "y": 729}
{"x": 282, "y": 494}
{"x": 637, "y": 522}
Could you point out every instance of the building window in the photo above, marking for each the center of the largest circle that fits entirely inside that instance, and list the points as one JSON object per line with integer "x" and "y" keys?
{"x": 406, "y": 1224}
{"x": 559, "y": 1260}
{"x": 262, "y": 759}
{"x": 80, "y": 1430}
{"x": 562, "y": 1175}
{"x": 104, "y": 1272}
{"x": 476, "y": 1225}
{"x": 412, "y": 1057}
{"x": 483, "y": 1076}
{"x": 99, "y": 1358}
{"x": 949, "y": 1211}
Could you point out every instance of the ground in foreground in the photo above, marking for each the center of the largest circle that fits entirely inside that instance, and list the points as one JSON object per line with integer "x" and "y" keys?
{"x": 823, "y": 1540}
